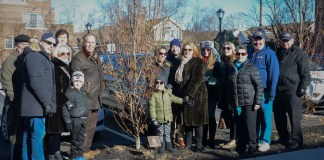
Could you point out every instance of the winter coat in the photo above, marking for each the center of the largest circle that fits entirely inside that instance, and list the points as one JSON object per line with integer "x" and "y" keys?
{"x": 62, "y": 81}
{"x": 246, "y": 85}
{"x": 38, "y": 89}
{"x": 267, "y": 63}
{"x": 175, "y": 62}
{"x": 79, "y": 101}
{"x": 160, "y": 105}
{"x": 194, "y": 86}
{"x": 162, "y": 70}
{"x": 10, "y": 79}
{"x": 294, "y": 69}
{"x": 93, "y": 73}
{"x": 222, "y": 70}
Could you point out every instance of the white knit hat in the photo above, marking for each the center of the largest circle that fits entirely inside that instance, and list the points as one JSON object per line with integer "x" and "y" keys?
{"x": 78, "y": 76}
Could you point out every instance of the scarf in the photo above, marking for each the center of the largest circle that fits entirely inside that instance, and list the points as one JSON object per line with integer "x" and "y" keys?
{"x": 178, "y": 75}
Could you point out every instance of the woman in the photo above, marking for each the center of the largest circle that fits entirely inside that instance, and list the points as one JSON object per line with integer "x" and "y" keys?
{"x": 209, "y": 57}
{"x": 55, "y": 125}
{"x": 227, "y": 59}
{"x": 190, "y": 77}
{"x": 247, "y": 96}
{"x": 62, "y": 37}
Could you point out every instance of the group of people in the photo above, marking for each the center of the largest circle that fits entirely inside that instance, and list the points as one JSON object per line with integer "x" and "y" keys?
{"x": 51, "y": 88}
{"x": 247, "y": 84}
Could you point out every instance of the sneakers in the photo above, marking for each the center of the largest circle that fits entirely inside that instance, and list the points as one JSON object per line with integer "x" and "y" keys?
{"x": 230, "y": 145}
{"x": 90, "y": 154}
{"x": 263, "y": 146}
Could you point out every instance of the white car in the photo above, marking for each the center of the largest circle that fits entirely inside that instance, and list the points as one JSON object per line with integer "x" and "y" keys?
{"x": 315, "y": 91}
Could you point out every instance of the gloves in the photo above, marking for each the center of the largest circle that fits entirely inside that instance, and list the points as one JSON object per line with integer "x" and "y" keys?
{"x": 69, "y": 105}
{"x": 301, "y": 92}
{"x": 189, "y": 101}
{"x": 155, "y": 123}
{"x": 69, "y": 127}
{"x": 49, "y": 110}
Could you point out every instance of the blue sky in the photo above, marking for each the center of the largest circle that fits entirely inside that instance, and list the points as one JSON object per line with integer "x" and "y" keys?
{"x": 84, "y": 7}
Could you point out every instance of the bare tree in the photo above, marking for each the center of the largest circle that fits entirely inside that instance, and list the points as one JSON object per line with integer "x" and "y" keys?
{"x": 130, "y": 29}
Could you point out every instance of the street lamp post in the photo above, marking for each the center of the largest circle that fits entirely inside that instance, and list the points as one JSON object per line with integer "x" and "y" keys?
{"x": 220, "y": 15}
{"x": 88, "y": 26}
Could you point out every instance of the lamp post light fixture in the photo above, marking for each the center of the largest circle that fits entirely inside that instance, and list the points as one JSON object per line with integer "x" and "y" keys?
{"x": 88, "y": 26}
{"x": 220, "y": 15}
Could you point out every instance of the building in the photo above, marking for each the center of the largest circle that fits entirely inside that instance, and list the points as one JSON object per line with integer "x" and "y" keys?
{"x": 165, "y": 30}
{"x": 30, "y": 17}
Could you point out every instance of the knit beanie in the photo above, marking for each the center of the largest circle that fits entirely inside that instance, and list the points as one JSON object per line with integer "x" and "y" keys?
{"x": 176, "y": 42}
{"x": 78, "y": 76}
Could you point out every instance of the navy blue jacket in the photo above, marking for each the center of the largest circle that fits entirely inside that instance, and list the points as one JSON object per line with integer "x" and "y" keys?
{"x": 38, "y": 88}
{"x": 267, "y": 63}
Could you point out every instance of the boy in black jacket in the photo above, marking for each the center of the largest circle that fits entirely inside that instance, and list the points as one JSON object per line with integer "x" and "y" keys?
{"x": 75, "y": 115}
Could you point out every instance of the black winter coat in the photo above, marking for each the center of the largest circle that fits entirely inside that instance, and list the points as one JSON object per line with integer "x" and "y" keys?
{"x": 62, "y": 81}
{"x": 223, "y": 70}
{"x": 79, "y": 101}
{"x": 246, "y": 85}
{"x": 93, "y": 77}
{"x": 194, "y": 86}
{"x": 38, "y": 88}
{"x": 294, "y": 69}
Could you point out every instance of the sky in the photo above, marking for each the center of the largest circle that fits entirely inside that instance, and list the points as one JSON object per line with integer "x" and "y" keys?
{"x": 84, "y": 7}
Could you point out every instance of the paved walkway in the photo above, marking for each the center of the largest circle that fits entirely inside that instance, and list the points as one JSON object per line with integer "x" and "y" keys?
{"x": 305, "y": 154}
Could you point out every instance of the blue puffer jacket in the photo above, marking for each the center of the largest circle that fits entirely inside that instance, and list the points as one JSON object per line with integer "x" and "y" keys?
{"x": 38, "y": 88}
{"x": 267, "y": 63}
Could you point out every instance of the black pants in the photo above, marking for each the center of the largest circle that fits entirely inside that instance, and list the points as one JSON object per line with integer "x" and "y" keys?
{"x": 78, "y": 137}
{"x": 288, "y": 102}
{"x": 247, "y": 135}
{"x": 53, "y": 143}
{"x": 209, "y": 129}
{"x": 198, "y": 135}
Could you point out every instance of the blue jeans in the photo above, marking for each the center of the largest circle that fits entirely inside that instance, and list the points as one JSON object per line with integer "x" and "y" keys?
{"x": 264, "y": 120}
{"x": 33, "y": 135}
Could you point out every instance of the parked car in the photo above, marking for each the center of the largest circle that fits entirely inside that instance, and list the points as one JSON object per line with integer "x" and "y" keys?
{"x": 315, "y": 91}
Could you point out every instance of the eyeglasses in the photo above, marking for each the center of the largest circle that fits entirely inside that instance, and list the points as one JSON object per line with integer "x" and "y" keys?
{"x": 161, "y": 53}
{"x": 227, "y": 48}
{"x": 242, "y": 54}
{"x": 49, "y": 43}
{"x": 204, "y": 49}
{"x": 160, "y": 83}
{"x": 64, "y": 54}
{"x": 187, "y": 50}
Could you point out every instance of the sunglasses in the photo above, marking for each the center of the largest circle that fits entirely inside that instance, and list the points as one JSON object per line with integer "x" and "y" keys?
{"x": 189, "y": 50}
{"x": 161, "y": 53}
{"x": 64, "y": 54}
{"x": 205, "y": 49}
{"x": 227, "y": 48}
{"x": 242, "y": 54}
{"x": 160, "y": 83}
{"x": 49, "y": 43}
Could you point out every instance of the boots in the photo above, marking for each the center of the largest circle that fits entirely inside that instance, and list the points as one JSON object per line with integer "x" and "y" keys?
{"x": 188, "y": 141}
{"x": 56, "y": 156}
{"x": 169, "y": 147}
{"x": 162, "y": 148}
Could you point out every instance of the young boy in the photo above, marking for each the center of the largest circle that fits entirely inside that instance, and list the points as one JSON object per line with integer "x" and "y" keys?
{"x": 161, "y": 112}
{"x": 74, "y": 115}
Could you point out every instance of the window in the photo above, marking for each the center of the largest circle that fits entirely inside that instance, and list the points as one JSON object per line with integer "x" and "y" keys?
{"x": 9, "y": 42}
{"x": 34, "y": 20}
{"x": 13, "y": 1}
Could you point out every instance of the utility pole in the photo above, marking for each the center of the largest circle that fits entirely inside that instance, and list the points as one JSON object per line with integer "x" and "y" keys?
{"x": 260, "y": 13}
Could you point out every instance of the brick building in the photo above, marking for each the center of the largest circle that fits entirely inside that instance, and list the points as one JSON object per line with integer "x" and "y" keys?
{"x": 30, "y": 17}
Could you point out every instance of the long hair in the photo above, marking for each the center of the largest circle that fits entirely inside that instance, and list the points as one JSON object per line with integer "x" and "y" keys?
{"x": 233, "y": 57}
{"x": 211, "y": 59}
{"x": 194, "y": 49}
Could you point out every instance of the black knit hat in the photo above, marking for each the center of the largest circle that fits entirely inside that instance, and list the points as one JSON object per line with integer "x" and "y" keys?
{"x": 22, "y": 38}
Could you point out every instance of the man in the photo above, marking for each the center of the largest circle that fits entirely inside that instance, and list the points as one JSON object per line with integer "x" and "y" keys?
{"x": 88, "y": 62}
{"x": 173, "y": 57}
{"x": 11, "y": 83}
{"x": 266, "y": 61}
{"x": 38, "y": 98}
{"x": 293, "y": 79}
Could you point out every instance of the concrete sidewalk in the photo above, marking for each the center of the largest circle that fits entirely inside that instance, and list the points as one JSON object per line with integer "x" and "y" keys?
{"x": 305, "y": 154}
